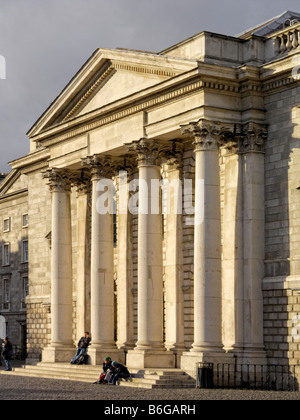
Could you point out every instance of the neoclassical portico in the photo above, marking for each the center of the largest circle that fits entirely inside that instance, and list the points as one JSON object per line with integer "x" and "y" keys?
{"x": 211, "y": 275}
{"x": 227, "y": 264}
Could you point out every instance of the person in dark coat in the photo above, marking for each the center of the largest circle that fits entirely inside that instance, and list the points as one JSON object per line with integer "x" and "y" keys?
{"x": 118, "y": 372}
{"x": 105, "y": 370}
{"x": 7, "y": 353}
{"x": 82, "y": 346}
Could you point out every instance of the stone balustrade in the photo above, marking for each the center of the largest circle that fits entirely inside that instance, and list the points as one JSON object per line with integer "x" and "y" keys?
{"x": 287, "y": 40}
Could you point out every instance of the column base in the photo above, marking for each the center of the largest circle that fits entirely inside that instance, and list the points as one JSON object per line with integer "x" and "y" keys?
{"x": 98, "y": 354}
{"x": 53, "y": 354}
{"x": 141, "y": 359}
{"x": 190, "y": 360}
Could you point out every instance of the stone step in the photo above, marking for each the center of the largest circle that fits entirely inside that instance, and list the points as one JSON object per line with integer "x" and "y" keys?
{"x": 140, "y": 378}
{"x": 48, "y": 375}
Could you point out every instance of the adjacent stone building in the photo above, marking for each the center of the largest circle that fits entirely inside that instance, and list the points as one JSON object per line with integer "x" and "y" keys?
{"x": 14, "y": 257}
{"x": 213, "y": 272}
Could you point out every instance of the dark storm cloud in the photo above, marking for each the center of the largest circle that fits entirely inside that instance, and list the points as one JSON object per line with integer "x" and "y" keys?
{"x": 45, "y": 42}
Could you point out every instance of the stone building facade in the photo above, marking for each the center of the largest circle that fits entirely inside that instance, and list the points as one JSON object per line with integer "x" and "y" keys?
{"x": 14, "y": 257}
{"x": 212, "y": 271}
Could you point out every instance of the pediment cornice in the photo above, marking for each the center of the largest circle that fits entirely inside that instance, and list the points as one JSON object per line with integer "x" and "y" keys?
{"x": 112, "y": 67}
{"x": 96, "y": 73}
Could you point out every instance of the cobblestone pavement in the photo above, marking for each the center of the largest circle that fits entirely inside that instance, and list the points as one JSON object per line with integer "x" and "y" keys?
{"x": 24, "y": 388}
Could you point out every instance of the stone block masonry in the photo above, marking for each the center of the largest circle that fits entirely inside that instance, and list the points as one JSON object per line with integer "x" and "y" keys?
{"x": 282, "y": 323}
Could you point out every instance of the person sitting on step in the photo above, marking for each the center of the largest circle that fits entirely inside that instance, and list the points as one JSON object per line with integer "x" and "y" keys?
{"x": 118, "y": 372}
{"x": 82, "y": 347}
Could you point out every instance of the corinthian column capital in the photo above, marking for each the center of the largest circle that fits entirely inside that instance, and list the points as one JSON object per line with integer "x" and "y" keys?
{"x": 148, "y": 152}
{"x": 82, "y": 181}
{"x": 59, "y": 179}
{"x": 209, "y": 135}
{"x": 253, "y": 137}
{"x": 100, "y": 166}
{"x": 173, "y": 155}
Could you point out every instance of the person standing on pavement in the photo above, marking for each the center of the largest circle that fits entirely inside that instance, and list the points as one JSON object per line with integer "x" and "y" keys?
{"x": 7, "y": 353}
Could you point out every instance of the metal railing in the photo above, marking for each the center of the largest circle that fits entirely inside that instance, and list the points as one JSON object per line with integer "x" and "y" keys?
{"x": 251, "y": 377}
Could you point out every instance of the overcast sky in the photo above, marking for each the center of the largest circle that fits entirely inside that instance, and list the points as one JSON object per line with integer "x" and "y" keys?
{"x": 45, "y": 42}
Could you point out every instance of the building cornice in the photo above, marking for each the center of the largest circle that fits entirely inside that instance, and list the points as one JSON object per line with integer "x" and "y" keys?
{"x": 13, "y": 195}
{"x": 96, "y": 67}
{"x": 121, "y": 108}
{"x": 168, "y": 91}
{"x": 244, "y": 80}
{"x": 31, "y": 162}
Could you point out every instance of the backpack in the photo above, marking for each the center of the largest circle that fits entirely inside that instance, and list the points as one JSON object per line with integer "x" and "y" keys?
{"x": 83, "y": 360}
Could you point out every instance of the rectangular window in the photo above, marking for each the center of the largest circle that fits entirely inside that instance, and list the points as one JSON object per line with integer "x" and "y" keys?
{"x": 25, "y": 220}
{"x": 25, "y": 288}
{"x": 6, "y": 290}
{"x": 25, "y": 251}
{"x": 6, "y": 225}
{"x": 6, "y": 252}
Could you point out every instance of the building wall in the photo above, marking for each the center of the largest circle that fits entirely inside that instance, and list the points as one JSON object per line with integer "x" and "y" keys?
{"x": 38, "y": 302}
{"x": 229, "y": 85}
{"x": 282, "y": 234}
{"x": 14, "y": 273}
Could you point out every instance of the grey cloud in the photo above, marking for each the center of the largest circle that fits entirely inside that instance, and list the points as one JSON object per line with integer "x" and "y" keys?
{"x": 45, "y": 42}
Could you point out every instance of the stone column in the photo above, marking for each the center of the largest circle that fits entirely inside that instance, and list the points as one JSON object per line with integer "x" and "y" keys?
{"x": 208, "y": 344}
{"x": 83, "y": 184}
{"x": 252, "y": 147}
{"x": 125, "y": 264}
{"x": 61, "y": 348}
{"x": 150, "y": 351}
{"x": 102, "y": 265}
{"x": 174, "y": 311}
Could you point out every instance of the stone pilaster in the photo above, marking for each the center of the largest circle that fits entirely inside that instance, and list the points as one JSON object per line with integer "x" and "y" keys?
{"x": 174, "y": 311}
{"x": 232, "y": 261}
{"x": 125, "y": 261}
{"x": 252, "y": 149}
{"x": 83, "y": 309}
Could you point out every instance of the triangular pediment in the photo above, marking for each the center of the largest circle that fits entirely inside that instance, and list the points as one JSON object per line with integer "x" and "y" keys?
{"x": 13, "y": 183}
{"x": 107, "y": 77}
{"x": 119, "y": 80}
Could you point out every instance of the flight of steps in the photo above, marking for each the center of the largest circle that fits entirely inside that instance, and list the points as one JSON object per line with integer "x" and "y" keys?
{"x": 148, "y": 378}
